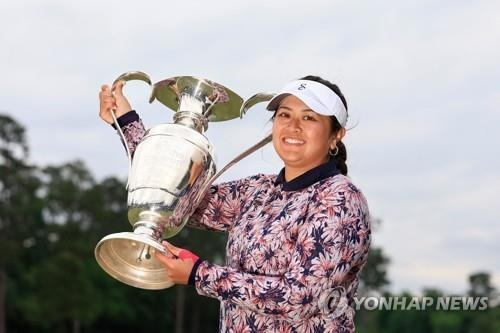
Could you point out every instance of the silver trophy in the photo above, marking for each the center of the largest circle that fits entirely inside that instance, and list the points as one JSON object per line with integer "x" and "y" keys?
{"x": 171, "y": 170}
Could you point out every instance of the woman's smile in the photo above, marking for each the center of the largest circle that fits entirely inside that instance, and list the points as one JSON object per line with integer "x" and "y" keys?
{"x": 293, "y": 141}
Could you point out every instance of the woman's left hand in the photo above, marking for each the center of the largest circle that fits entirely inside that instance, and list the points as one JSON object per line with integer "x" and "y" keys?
{"x": 179, "y": 262}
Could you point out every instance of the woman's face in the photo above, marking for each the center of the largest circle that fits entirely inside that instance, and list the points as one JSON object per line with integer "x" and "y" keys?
{"x": 301, "y": 137}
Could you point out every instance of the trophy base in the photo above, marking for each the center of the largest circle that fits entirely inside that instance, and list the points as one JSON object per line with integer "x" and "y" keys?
{"x": 129, "y": 258}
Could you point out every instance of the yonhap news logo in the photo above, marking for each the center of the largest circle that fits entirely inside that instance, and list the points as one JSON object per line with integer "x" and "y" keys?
{"x": 403, "y": 303}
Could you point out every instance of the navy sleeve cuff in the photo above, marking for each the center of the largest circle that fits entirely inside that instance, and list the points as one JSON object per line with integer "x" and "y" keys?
{"x": 126, "y": 119}
{"x": 192, "y": 275}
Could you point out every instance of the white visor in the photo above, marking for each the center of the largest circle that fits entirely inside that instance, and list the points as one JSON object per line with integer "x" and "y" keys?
{"x": 316, "y": 96}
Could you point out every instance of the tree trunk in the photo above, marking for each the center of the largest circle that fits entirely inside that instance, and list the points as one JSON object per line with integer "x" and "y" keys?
{"x": 76, "y": 326}
{"x": 180, "y": 302}
{"x": 195, "y": 320}
{"x": 3, "y": 281}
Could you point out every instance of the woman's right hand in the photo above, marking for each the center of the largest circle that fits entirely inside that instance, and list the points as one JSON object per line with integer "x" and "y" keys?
{"x": 113, "y": 99}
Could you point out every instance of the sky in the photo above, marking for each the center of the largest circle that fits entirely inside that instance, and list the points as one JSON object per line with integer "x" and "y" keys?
{"x": 422, "y": 81}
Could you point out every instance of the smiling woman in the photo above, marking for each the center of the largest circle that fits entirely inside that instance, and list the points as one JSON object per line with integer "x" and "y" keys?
{"x": 297, "y": 241}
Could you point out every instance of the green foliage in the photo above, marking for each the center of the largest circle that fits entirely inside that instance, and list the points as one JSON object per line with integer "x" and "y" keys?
{"x": 431, "y": 319}
{"x": 374, "y": 274}
{"x": 480, "y": 285}
{"x": 60, "y": 283}
{"x": 446, "y": 322}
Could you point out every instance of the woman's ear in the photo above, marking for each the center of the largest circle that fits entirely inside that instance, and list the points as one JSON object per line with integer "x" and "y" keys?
{"x": 340, "y": 134}
{"x": 337, "y": 137}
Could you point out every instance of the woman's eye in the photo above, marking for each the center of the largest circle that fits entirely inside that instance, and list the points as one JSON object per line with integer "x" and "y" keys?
{"x": 308, "y": 118}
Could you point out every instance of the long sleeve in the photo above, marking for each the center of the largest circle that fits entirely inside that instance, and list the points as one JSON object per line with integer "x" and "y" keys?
{"x": 133, "y": 129}
{"x": 221, "y": 206}
{"x": 331, "y": 245}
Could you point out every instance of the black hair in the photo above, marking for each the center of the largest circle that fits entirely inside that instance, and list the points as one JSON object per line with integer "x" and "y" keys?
{"x": 340, "y": 157}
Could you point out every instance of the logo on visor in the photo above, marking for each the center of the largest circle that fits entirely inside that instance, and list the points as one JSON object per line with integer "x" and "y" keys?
{"x": 302, "y": 86}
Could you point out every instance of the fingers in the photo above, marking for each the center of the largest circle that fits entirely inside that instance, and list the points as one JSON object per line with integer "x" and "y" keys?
{"x": 105, "y": 91}
{"x": 170, "y": 248}
{"x": 165, "y": 258}
{"x": 107, "y": 102}
{"x": 122, "y": 105}
{"x": 178, "y": 253}
{"x": 177, "y": 270}
{"x": 117, "y": 88}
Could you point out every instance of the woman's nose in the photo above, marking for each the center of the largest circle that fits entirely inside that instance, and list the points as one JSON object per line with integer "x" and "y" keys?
{"x": 294, "y": 124}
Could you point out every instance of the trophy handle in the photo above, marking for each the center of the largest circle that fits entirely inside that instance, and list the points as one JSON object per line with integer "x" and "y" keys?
{"x": 255, "y": 99}
{"x": 241, "y": 156}
{"x": 235, "y": 160}
{"x": 134, "y": 75}
{"x": 128, "y": 76}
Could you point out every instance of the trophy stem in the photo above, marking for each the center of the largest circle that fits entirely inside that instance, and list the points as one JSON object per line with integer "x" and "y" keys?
{"x": 148, "y": 225}
{"x": 191, "y": 112}
{"x": 192, "y": 120}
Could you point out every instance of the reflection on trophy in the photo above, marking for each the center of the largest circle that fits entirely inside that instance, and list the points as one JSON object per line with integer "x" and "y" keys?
{"x": 171, "y": 170}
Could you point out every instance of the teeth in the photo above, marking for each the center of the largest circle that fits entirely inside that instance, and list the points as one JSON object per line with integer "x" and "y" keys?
{"x": 293, "y": 141}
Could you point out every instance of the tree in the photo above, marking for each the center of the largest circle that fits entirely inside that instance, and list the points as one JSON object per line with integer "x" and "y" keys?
{"x": 488, "y": 320}
{"x": 374, "y": 274}
{"x": 69, "y": 298}
{"x": 373, "y": 279}
{"x": 20, "y": 208}
{"x": 480, "y": 285}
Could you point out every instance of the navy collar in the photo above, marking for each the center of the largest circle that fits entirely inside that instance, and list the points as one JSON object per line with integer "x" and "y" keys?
{"x": 308, "y": 178}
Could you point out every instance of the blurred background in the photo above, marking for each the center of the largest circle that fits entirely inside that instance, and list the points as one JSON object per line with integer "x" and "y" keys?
{"x": 422, "y": 83}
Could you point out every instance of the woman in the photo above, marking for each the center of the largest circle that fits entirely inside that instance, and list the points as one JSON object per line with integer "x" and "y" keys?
{"x": 297, "y": 240}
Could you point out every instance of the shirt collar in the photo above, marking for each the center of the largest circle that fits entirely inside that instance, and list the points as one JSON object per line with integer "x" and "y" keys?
{"x": 308, "y": 178}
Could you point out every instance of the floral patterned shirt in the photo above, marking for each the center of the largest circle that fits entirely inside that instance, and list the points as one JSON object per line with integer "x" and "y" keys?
{"x": 294, "y": 251}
